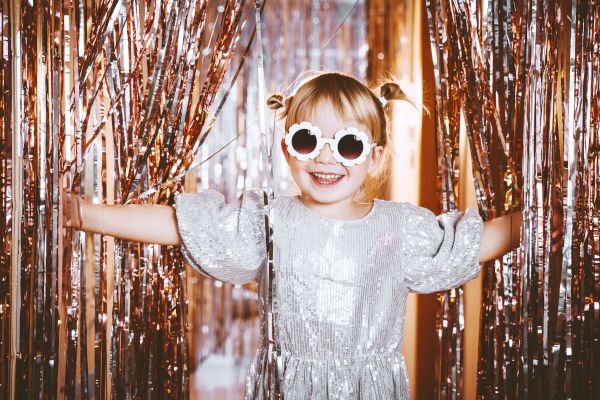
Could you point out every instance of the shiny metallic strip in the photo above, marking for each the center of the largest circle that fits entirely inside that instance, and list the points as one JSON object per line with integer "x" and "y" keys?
{"x": 53, "y": 108}
{"x": 38, "y": 379}
{"x": 584, "y": 262}
{"x": 528, "y": 210}
{"x": 146, "y": 140}
{"x": 100, "y": 276}
{"x": 78, "y": 29}
{"x": 570, "y": 150}
{"x": 446, "y": 130}
{"x": 274, "y": 371}
{"x": 555, "y": 191}
{"x": 440, "y": 67}
{"x": 17, "y": 189}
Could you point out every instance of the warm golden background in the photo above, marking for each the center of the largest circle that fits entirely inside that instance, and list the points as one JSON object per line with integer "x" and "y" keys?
{"x": 131, "y": 102}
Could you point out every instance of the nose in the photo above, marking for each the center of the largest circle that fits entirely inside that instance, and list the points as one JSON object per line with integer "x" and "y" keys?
{"x": 325, "y": 156}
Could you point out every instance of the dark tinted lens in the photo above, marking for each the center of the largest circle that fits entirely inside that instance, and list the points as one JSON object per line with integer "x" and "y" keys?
{"x": 350, "y": 147}
{"x": 304, "y": 142}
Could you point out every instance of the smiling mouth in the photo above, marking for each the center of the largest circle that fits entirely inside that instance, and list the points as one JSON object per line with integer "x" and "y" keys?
{"x": 326, "y": 179}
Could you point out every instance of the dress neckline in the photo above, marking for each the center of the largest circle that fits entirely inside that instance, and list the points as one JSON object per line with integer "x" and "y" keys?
{"x": 310, "y": 211}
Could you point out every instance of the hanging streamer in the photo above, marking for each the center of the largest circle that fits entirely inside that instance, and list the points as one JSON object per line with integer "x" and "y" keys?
{"x": 117, "y": 93}
{"x": 523, "y": 76}
{"x": 330, "y": 34}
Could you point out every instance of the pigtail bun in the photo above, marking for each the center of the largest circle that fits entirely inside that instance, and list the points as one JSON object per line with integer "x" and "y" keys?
{"x": 275, "y": 102}
{"x": 392, "y": 91}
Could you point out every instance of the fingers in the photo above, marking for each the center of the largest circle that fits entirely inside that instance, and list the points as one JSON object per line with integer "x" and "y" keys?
{"x": 69, "y": 208}
{"x": 70, "y": 200}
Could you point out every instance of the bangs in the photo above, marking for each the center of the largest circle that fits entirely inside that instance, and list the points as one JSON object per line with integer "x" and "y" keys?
{"x": 350, "y": 100}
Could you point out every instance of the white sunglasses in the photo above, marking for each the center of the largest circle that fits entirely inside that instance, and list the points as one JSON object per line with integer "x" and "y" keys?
{"x": 350, "y": 146}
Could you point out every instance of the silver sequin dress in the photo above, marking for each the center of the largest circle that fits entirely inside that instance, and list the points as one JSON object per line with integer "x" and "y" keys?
{"x": 341, "y": 286}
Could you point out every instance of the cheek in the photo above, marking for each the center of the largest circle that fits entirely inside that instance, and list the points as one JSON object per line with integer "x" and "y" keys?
{"x": 297, "y": 167}
{"x": 358, "y": 174}
{"x": 359, "y": 170}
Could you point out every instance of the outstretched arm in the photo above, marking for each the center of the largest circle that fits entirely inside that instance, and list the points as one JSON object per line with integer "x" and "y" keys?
{"x": 139, "y": 223}
{"x": 502, "y": 234}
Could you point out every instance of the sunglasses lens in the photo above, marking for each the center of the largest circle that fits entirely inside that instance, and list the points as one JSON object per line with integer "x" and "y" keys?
{"x": 350, "y": 147}
{"x": 304, "y": 142}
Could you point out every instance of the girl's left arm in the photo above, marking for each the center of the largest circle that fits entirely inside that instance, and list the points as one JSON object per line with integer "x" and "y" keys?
{"x": 502, "y": 234}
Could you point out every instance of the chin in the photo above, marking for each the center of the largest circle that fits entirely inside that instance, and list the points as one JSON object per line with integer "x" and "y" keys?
{"x": 325, "y": 198}
{"x": 326, "y": 195}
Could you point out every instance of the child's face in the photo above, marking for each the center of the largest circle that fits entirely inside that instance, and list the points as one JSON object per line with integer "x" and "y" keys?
{"x": 323, "y": 179}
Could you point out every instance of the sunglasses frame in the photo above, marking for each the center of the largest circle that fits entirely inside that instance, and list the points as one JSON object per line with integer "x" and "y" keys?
{"x": 333, "y": 143}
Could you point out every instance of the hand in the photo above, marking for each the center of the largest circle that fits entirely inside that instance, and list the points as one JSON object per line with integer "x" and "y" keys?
{"x": 557, "y": 230}
{"x": 71, "y": 206}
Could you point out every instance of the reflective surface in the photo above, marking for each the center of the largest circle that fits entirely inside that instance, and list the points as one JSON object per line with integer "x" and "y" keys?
{"x": 123, "y": 96}
{"x": 116, "y": 95}
{"x": 521, "y": 79}
{"x": 340, "y": 287}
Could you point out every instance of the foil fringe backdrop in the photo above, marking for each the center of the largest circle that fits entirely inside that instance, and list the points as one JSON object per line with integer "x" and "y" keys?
{"x": 113, "y": 299}
{"x": 524, "y": 78}
{"x": 37, "y": 337}
{"x": 232, "y": 167}
{"x": 119, "y": 93}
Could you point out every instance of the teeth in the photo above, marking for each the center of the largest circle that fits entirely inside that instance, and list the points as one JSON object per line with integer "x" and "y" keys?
{"x": 327, "y": 176}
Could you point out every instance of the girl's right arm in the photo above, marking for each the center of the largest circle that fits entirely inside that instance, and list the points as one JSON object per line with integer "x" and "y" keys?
{"x": 146, "y": 223}
{"x": 222, "y": 240}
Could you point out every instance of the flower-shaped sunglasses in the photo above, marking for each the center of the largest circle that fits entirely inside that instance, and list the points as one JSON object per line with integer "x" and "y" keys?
{"x": 349, "y": 146}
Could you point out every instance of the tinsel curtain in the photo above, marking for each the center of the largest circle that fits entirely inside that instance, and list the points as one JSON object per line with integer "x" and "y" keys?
{"x": 116, "y": 96}
{"x": 120, "y": 98}
{"x": 298, "y": 37}
{"x": 523, "y": 79}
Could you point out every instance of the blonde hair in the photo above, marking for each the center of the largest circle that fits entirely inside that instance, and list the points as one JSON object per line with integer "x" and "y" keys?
{"x": 351, "y": 100}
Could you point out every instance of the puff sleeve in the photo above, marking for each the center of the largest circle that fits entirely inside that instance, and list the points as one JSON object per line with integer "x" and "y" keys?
{"x": 440, "y": 253}
{"x": 223, "y": 241}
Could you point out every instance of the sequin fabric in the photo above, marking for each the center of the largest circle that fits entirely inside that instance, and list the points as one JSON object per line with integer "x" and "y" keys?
{"x": 341, "y": 286}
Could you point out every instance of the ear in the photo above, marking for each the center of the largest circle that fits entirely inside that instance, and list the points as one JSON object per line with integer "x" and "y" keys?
{"x": 376, "y": 157}
{"x": 284, "y": 149}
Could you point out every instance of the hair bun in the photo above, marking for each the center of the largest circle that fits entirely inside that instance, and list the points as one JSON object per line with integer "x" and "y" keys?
{"x": 275, "y": 102}
{"x": 392, "y": 91}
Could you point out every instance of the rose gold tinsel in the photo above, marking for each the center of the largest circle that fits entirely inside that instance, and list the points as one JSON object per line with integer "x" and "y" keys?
{"x": 526, "y": 76}
{"x": 117, "y": 93}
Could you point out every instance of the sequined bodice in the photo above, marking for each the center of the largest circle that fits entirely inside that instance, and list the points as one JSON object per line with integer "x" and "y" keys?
{"x": 341, "y": 295}
{"x": 341, "y": 286}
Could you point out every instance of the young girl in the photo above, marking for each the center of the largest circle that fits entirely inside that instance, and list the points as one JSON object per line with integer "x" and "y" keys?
{"x": 344, "y": 266}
